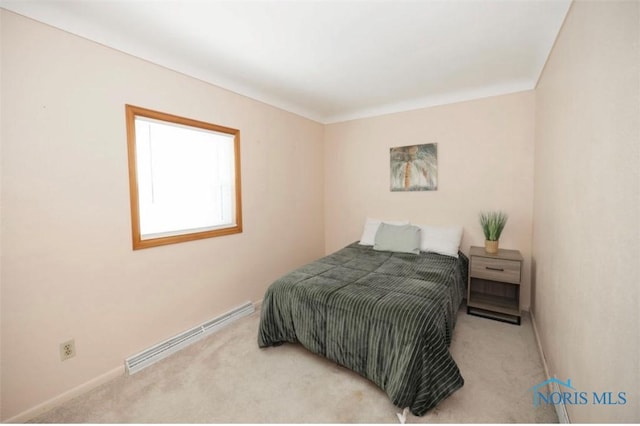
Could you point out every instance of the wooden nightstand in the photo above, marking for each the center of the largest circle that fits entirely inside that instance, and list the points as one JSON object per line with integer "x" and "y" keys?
{"x": 494, "y": 284}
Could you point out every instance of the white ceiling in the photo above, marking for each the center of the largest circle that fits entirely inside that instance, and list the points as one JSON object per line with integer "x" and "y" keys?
{"x": 328, "y": 60}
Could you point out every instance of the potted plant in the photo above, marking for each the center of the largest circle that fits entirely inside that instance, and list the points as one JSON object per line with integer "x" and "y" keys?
{"x": 492, "y": 225}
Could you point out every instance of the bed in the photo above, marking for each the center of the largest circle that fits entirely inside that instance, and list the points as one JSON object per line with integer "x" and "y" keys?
{"x": 388, "y": 316}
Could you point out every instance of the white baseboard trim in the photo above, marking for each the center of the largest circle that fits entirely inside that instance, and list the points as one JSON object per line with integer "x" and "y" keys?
{"x": 561, "y": 410}
{"x": 33, "y": 412}
{"x": 540, "y": 351}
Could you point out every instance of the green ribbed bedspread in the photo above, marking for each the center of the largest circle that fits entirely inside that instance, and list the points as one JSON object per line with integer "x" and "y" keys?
{"x": 387, "y": 316}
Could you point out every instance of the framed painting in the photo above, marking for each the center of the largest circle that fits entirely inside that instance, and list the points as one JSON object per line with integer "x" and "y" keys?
{"x": 414, "y": 167}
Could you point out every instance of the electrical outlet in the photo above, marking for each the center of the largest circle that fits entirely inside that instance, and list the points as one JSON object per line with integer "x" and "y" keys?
{"x": 67, "y": 350}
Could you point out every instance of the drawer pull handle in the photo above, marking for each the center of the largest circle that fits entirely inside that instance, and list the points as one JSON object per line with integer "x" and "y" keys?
{"x": 495, "y": 269}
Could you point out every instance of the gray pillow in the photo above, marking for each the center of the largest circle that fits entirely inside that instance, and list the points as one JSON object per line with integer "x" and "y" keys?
{"x": 398, "y": 238}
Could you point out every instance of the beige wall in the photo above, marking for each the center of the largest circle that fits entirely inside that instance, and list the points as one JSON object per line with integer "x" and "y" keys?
{"x": 68, "y": 270}
{"x": 587, "y": 207}
{"x": 485, "y": 161}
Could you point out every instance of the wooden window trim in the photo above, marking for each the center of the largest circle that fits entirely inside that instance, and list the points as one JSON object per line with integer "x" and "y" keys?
{"x": 138, "y": 243}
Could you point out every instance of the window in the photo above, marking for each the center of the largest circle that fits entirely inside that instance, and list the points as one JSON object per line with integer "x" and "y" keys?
{"x": 184, "y": 178}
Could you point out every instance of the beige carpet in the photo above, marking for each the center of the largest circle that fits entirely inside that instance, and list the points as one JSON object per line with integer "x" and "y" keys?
{"x": 226, "y": 378}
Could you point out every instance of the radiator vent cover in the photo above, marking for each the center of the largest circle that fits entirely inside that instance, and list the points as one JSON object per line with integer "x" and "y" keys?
{"x": 162, "y": 350}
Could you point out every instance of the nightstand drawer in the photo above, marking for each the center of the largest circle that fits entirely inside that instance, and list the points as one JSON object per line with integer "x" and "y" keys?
{"x": 496, "y": 269}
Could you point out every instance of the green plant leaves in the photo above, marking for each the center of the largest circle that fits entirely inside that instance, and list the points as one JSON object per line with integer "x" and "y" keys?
{"x": 492, "y": 224}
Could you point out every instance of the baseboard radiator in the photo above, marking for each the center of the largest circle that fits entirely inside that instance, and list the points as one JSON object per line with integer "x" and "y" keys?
{"x": 162, "y": 350}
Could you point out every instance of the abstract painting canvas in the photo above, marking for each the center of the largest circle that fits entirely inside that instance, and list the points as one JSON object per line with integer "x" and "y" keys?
{"x": 414, "y": 168}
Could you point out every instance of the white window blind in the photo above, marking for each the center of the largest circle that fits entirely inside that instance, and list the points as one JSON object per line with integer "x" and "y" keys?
{"x": 185, "y": 178}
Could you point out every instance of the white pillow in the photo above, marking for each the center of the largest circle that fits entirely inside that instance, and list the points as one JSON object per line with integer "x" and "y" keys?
{"x": 440, "y": 239}
{"x": 371, "y": 228}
